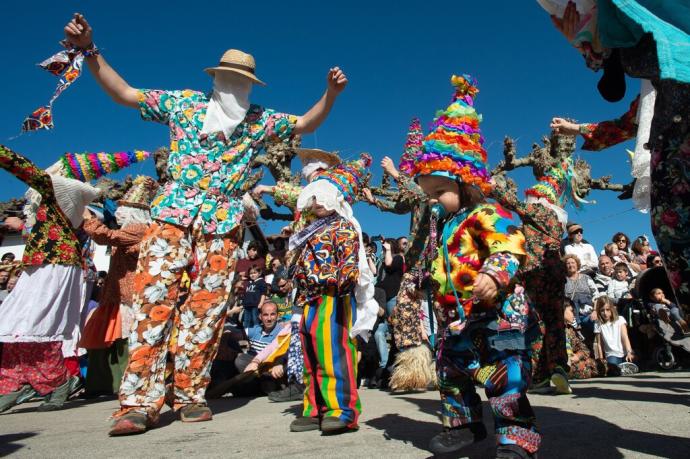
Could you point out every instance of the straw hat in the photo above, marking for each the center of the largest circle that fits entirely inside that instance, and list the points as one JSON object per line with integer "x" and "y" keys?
{"x": 309, "y": 155}
{"x": 237, "y": 61}
{"x": 141, "y": 193}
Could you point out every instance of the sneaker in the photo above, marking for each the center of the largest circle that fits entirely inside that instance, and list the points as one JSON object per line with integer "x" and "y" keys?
{"x": 293, "y": 392}
{"x": 452, "y": 440}
{"x": 304, "y": 424}
{"x": 628, "y": 368}
{"x": 29, "y": 395}
{"x": 331, "y": 425}
{"x": 560, "y": 382}
{"x": 11, "y": 399}
{"x": 131, "y": 423}
{"x": 513, "y": 452}
{"x": 56, "y": 399}
{"x": 541, "y": 387}
{"x": 195, "y": 412}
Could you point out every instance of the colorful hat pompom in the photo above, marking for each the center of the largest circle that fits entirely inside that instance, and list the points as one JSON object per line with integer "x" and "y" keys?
{"x": 90, "y": 166}
{"x": 413, "y": 145}
{"x": 347, "y": 177}
{"x": 454, "y": 147}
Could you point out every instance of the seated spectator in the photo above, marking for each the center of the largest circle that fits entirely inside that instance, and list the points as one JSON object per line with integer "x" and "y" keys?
{"x": 612, "y": 342}
{"x": 279, "y": 245}
{"x": 616, "y": 256}
{"x": 619, "y": 287}
{"x": 254, "y": 258}
{"x": 259, "y": 337}
{"x": 584, "y": 251}
{"x": 254, "y": 296}
{"x": 654, "y": 260}
{"x": 284, "y": 296}
{"x": 603, "y": 275}
{"x": 9, "y": 285}
{"x": 667, "y": 311}
{"x": 580, "y": 361}
{"x": 580, "y": 290}
{"x": 7, "y": 258}
{"x": 278, "y": 268}
{"x": 623, "y": 242}
{"x": 4, "y": 277}
{"x": 641, "y": 251}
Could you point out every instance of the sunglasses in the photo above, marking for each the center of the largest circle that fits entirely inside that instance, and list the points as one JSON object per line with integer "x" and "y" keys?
{"x": 621, "y": 240}
{"x": 579, "y": 231}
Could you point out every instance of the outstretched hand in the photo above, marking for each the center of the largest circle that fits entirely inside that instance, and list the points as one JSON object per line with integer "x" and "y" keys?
{"x": 389, "y": 167}
{"x": 368, "y": 195}
{"x": 567, "y": 25}
{"x": 336, "y": 80}
{"x": 78, "y": 32}
{"x": 562, "y": 126}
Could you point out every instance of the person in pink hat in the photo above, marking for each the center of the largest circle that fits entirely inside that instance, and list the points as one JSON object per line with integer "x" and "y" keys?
{"x": 197, "y": 214}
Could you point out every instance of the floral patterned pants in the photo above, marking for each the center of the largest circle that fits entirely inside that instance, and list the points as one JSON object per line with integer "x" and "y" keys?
{"x": 670, "y": 211}
{"x": 40, "y": 365}
{"x": 166, "y": 251}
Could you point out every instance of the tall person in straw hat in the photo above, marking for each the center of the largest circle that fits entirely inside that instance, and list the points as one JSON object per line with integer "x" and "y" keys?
{"x": 197, "y": 213}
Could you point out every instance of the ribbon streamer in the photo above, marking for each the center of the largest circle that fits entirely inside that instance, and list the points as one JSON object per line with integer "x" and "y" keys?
{"x": 66, "y": 65}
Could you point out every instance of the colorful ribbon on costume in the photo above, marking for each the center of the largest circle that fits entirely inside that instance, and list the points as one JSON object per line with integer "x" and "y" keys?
{"x": 66, "y": 65}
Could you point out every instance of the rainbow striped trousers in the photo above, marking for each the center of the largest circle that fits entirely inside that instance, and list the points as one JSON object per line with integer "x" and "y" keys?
{"x": 330, "y": 367}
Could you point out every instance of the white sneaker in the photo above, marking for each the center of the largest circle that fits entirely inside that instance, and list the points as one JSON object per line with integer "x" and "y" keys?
{"x": 628, "y": 368}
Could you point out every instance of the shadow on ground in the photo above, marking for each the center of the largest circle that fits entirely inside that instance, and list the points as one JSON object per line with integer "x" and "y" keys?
{"x": 9, "y": 443}
{"x": 566, "y": 434}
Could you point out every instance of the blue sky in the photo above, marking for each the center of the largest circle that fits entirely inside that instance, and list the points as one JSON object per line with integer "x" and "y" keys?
{"x": 398, "y": 56}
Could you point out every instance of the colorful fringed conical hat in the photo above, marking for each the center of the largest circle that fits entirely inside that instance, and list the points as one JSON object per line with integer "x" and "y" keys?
{"x": 347, "y": 177}
{"x": 90, "y": 166}
{"x": 454, "y": 147}
{"x": 413, "y": 146}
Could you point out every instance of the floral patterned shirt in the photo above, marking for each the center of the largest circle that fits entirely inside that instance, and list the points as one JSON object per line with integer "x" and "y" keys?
{"x": 328, "y": 261}
{"x": 52, "y": 239}
{"x": 609, "y": 133}
{"x": 486, "y": 239}
{"x": 208, "y": 171}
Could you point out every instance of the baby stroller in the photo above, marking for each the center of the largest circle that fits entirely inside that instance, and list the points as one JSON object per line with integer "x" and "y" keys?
{"x": 668, "y": 347}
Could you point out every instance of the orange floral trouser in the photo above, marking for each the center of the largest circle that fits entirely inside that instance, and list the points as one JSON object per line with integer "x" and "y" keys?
{"x": 166, "y": 251}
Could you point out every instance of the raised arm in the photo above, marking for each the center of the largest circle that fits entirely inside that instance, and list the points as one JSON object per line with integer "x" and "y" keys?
{"x": 311, "y": 120}
{"x": 79, "y": 33}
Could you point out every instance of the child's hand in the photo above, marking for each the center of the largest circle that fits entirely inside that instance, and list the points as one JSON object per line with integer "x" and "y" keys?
{"x": 485, "y": 287}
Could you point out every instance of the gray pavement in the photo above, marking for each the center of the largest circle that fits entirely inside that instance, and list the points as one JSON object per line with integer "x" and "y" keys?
{"x": 643, "y": 416}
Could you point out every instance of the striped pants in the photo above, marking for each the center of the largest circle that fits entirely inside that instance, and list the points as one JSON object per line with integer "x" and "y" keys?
{"x": 330, "y": 367}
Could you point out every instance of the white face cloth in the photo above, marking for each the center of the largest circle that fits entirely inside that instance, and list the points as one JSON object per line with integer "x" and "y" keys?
{"x": 229, "y": 103}
{"x": 312, "y": 167}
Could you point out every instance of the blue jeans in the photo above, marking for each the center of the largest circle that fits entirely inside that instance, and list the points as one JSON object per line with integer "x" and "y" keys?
{"x": 250, "y": 318}
{"x": 613, "y": 360}
{"x": 381, "y": 332}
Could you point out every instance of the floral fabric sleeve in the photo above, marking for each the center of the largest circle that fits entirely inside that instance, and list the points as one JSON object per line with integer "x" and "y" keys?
{"x": 103, "y": 235}
{"x": 280, "y": 125}
{"x": 496, "y": 229}
{"x": 286, "y": 194}
{"x": 25, "y": 170}
{"x": 410, "y": 190}
{"x": 608, "y": 133}
{"x": 502, "y": 267}
{"x": 157, "y": 105}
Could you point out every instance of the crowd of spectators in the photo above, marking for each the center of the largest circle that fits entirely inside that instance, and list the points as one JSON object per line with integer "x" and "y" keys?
{"x": 611, "y": 316}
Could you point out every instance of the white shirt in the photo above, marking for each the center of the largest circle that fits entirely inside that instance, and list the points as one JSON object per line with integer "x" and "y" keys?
{"x": 586, "y": 254}
{"x": 611, "y": 337}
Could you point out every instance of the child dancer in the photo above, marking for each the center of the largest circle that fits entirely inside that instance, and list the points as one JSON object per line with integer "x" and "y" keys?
{"x": 485, "y": 319}
{"x": 334, "y": 286}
